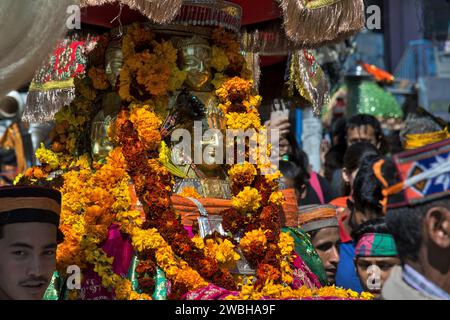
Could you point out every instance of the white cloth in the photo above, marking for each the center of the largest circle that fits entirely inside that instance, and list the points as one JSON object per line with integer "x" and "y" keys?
{"x": 28, "y": 31}
{"x": 312, "y": 138}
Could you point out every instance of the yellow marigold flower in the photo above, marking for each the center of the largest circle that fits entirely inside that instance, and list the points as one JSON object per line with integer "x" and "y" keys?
{"x": 367, "y": 295}
{"x": 210, "y": 248}
{"x": 243, "y": 121}
{"x": 175, "y": 269}
{"x": 198, "y": 242}
{"x": 98, "y": 78}
{"x": 253, "y": 237}
{"x": 127, "y": 47}
{"x": 147, "y": 124}
{"x": 46, "y": 156}
{"x": 277, "y": 198}
{"x": 116, "y": 159}
{"x": 224, "y": 106}
{"x": 252, "y": 103}
{"x": 352, "y": 294}
{"x": 287, "y": 275}
{"x": 125, "y": 82}
{"x": 139, "y": 296}
{"x": 247, "y": 201}
{"x": 242, "y": 174}
{"x": 225, "y": 253}
{"x": 129, "y": 220}
{"x": 191, "y": 278}
{"x": 139, "y": 34}
{"x": 286, "y": 243}
{"x": 219, "y": 59}
{"x": 273, "y": 176}
{"x": 235, "y": 85}
{"x": 123, "y": 289}
{"x": 165, "y": 51}
{"x": 190, "y": 192}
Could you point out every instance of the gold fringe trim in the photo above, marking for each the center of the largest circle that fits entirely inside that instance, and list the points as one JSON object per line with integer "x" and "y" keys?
{"x": 316, "y": 4}
{"x": 52, "y": 85}
{"x": 159, "y": 11}
{"x": 321, "y": 22}
{"x": 252, "y": 59}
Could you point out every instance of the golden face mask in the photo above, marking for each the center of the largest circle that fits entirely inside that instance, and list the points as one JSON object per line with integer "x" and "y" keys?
{"x": 196, "y": 61}
{"x": 113, "y": 61}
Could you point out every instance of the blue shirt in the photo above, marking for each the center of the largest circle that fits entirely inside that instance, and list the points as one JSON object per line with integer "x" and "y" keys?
{"x": 346, "y": 276}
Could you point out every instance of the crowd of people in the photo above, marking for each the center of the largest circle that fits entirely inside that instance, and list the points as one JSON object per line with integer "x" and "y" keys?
{"x": 368, "y": 228}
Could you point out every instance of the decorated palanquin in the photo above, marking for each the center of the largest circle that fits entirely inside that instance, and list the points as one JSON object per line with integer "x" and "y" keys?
{"x": 141, "y": 217}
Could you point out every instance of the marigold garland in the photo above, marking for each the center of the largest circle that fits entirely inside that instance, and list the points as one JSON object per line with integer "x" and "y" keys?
{"x": 155, "y": 192}
{"x": 175, "y": 269}
{"x": 277, "y": 291}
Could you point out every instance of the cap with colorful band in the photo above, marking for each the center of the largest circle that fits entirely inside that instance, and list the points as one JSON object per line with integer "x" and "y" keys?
{"x": 376, "y": 245}
{"x": 419, "y": 175}
{"x": 316, "y": 217}
{"x": 29, "y": 204}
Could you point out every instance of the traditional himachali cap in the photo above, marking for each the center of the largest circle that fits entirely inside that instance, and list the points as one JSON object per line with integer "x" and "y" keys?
{"x": 420, "y": 175}
{"x": 316, "y": 217}
{"x": 418, "y": 140}
{"x": 376, "y": 245}
{"x": 424, "y": 119}
{"x": 22, "y": 204}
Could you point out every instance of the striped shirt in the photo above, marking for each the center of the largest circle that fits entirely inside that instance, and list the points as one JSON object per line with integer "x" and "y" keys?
{"x": 421, "y": 284}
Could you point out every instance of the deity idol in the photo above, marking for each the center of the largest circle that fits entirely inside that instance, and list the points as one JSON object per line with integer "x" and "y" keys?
{"x": 209, "y": 177}
{"x": 110, "y": 104}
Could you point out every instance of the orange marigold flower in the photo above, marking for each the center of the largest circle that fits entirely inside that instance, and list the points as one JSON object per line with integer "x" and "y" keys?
{"x": 98, "y": 77}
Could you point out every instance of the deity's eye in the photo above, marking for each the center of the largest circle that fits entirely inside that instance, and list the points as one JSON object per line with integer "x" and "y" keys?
{"x": 191, "y": 62}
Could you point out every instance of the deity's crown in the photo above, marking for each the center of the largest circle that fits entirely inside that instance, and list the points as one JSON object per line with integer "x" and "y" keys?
{"x": 192, "y": 41}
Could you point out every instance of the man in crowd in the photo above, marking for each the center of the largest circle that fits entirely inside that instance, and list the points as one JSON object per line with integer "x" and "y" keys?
{"x": 364, "y": 127}
{"x": 375, "y": 255}
{"x": 29, "y": 220}
{"x": 320, "y": 222}
{"x": 364, "y": 205}
{"x": 417, "y": 190}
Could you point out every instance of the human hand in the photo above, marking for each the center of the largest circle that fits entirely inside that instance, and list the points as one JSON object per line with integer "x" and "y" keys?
{"x": 280, "y": 123}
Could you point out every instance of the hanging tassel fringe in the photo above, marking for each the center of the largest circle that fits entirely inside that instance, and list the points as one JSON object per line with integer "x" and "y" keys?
{"x": 159, "y": 11}
{"x": 267, "y": 42}
{"x": 252, "y": 59}
{"x": 316, "y": 23}
{"x": 42, "y": 106}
